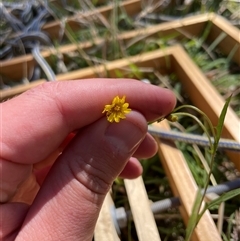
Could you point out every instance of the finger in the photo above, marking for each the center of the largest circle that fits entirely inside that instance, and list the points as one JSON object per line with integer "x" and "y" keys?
{"x": 48, "y": 113}
{"x": 12, "y": 175}
{"x": 54, "y": 155}
{"x": 133, "y": 169}
{"x": 73, "y": 192}
{"x": 147, "y": 148}
{"x": 28, "y": 190}
{"x": 14, "y": 215}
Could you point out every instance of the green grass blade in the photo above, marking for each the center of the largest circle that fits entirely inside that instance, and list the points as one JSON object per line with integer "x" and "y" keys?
{"x": 220, "y": 124}
{"x": 192, "y": 222}
{"x": 217, "y": 41}
{"x": 223, "y": 198}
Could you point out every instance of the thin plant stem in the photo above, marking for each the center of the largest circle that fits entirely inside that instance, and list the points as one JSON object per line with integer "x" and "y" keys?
{"x": 200, "y": 112}
{"x": 200, "y": 124}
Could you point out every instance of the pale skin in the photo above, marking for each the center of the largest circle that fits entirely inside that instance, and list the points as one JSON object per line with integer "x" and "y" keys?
{"x": 48, "y": 196}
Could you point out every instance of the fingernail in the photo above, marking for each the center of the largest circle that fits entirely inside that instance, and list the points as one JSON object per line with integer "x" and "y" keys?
{"x": 124, "y": 136}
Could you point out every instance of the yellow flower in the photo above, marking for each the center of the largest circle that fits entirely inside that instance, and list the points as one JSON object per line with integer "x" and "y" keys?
{"x": 117, "y": 110}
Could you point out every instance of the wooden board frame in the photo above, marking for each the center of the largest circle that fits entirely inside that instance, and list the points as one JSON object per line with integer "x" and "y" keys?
{"x": 192, "y": 25}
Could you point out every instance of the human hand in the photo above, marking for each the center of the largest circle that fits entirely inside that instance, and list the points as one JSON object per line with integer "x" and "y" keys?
{"x": 54, "y": 182}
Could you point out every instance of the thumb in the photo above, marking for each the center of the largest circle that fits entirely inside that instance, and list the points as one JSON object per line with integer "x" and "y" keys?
{"x": 70, "y": 199}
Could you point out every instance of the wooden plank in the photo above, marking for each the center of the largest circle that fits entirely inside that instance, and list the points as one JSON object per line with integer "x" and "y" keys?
{"x": 89, "y": 72}
{"x": 105, "y": 229}
{"x": 25, "y": 63}
{"x": 232, "y": 39}
{"x": 142, "y": 215}
{"x": 183, "y": 186}
{"x": 131, "y": 7}
{"x": 9, "y": 93}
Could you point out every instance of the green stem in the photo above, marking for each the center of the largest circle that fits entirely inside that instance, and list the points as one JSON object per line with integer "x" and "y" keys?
{"x": 200, "y": 124}
{"x": 200, "y": 112}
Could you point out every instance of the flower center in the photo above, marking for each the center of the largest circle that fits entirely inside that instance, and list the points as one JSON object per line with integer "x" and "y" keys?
{"x": 117, "y": 108}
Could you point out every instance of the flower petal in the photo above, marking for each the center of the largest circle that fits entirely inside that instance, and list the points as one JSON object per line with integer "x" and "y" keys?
{"x": 117, "y": 110}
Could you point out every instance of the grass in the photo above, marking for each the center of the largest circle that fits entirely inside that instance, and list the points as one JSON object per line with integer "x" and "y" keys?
{"x": 219, "y": 69}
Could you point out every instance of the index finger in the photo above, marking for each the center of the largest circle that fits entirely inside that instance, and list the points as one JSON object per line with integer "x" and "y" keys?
{"x": 36, "y": 122}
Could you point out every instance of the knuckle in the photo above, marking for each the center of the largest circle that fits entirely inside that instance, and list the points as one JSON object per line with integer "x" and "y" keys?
{"x": 90, "y": 175}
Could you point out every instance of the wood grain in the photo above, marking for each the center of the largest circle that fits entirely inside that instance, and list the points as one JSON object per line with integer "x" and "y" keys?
{"x": 142, "y": 214}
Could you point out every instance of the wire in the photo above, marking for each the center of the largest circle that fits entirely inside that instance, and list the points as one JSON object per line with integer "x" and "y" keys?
{"x": 121, "y": 216}
{"x": 43, "y": 64}
{"x": 193, "y": 139}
